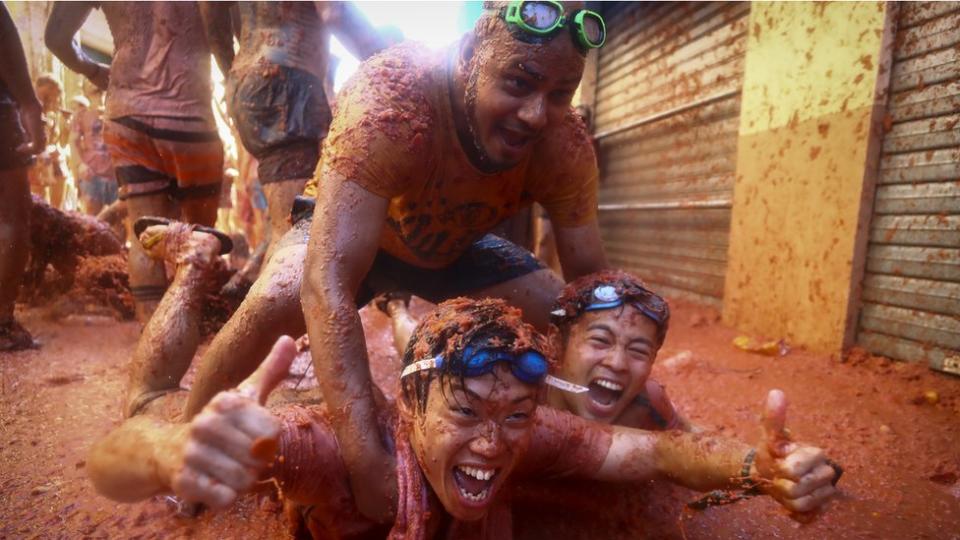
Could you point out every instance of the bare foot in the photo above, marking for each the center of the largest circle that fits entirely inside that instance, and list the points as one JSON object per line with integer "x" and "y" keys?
{"x": 179, "y": 243}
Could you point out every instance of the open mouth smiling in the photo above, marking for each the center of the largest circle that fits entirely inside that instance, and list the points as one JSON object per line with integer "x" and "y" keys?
{"x": 515, "y": 140}
{"x": 474, "y": 483}
{"x": 605, "y": 393}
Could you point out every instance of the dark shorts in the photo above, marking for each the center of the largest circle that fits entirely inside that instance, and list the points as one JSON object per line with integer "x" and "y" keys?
{"x": 489, "y": 261}
{"x": 11, "y": 136}
{"x": 281, "y": 119}
{"x": 99, "y": 188}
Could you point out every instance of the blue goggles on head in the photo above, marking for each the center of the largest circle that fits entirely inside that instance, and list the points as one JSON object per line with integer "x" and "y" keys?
{"x": 607, "y": 297}
{"x": 529, "y": 367}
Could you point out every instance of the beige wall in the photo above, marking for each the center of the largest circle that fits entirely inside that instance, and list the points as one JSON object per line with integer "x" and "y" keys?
{"x": 803, "y": 190}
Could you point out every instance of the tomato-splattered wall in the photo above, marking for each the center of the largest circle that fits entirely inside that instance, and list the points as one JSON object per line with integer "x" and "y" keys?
{"x": 803, "y": 188}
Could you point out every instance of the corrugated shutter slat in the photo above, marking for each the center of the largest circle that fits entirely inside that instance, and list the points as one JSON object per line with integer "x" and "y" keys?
{"x": 667, "y": 175}
{"x": 911, "y": 290}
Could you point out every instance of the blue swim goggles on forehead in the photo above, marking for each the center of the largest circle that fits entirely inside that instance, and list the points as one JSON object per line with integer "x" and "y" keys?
{"x": 607, "y": 297}
{"x": 544, "y": 17}
{"x": 529, "y": 367}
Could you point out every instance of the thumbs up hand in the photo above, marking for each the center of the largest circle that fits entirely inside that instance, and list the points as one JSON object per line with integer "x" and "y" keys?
{"x": 798, "y": 476}
{"x": 233, "y": 440}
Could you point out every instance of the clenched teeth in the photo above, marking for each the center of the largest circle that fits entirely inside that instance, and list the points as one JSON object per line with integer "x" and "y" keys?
{"x": 609, "y": 385}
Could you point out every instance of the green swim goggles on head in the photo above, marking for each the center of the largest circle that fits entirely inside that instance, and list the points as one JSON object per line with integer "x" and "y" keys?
{"x": 544, "y": 17}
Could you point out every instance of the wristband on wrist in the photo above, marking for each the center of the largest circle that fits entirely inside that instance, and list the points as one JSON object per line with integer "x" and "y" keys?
{"x": 748, "y": 488}
{"x": 746, "y": 482}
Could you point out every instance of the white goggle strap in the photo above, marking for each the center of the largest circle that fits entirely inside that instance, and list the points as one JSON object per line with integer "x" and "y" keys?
{"x": 566, "y": 386}
{"x": 420, "y": 365}
{"x": 556, "y": 382}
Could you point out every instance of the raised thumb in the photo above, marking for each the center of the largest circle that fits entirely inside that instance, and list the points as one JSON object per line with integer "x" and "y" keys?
{"x": 271, "y": 372}
{"x": 774, "y": 423}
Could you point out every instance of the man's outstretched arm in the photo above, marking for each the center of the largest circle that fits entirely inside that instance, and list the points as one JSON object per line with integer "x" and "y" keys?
{"x": 210, "y": 460}
{"x": 798, "y": 476}
{"x": 64, "y": 22}
{"x": 344, "y": 240}
{"x": 138, "y": 459}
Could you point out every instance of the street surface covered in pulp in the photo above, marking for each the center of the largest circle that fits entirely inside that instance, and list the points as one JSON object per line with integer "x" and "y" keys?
{"x": 893, "y": 426}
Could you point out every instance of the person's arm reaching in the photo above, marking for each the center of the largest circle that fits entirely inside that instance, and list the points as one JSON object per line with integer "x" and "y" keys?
{"x": 352, "y": 28}
{"x": 799, "y": 477}
{"x": 344, "y": 240}
{"x": 217, "y": 24}
{"x": 65, "y": 20}
{"x": 16, "y": 77}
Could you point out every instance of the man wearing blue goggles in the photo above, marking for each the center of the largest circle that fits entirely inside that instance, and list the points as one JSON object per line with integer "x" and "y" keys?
{"x": 529, "y": 367}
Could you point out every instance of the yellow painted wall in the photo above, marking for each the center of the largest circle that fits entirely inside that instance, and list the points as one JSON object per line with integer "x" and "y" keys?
{"x": 807, "y": 108}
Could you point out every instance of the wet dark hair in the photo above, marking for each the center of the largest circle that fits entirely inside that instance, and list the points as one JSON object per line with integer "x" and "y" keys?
{"x": 456, "y": 324}
{"x": 578, "y": 294}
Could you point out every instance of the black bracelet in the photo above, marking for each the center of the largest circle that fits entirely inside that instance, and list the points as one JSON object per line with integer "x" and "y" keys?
{"x": 748, "y": 483}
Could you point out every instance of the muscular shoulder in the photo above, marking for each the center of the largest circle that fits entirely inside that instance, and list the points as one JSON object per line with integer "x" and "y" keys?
{"x": 394, "y": 93}
{"x": 383, "y": 119}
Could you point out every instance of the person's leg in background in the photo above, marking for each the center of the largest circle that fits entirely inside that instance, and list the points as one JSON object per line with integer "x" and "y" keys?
{"x": 57, "y": 191}
{"x": 148, "y": 276}
{"x": 270, "y": 309}
{"x": 14, "y": 250}
{"x": 166, "y": 167}
{"x": 280, "y": 195}
{"x": 172, "y": 335}
{"x": 145, "y": 190}
{"x": 195, "y": 158}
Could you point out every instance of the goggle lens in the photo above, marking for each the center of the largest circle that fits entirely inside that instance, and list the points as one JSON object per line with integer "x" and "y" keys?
{"x": 540, "y": 15}
{"x": 530, "y": 367}
{"x": 593, "y": 29}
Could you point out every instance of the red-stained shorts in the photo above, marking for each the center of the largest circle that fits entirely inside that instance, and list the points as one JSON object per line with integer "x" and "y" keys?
{"x": 180, "y": 157}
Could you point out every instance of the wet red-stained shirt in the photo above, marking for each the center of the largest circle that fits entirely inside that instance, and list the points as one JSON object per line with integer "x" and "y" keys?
{"x": 311, "y": 472}
{"x": 393, "y": 133}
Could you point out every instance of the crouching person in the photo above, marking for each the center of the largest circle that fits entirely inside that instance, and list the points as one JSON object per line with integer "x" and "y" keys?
{"x": 467, "y": 420}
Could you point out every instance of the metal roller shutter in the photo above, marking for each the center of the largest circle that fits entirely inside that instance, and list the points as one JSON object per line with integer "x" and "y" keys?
{"x": 666, "y": 116}
{"x": 911, "y": 290}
